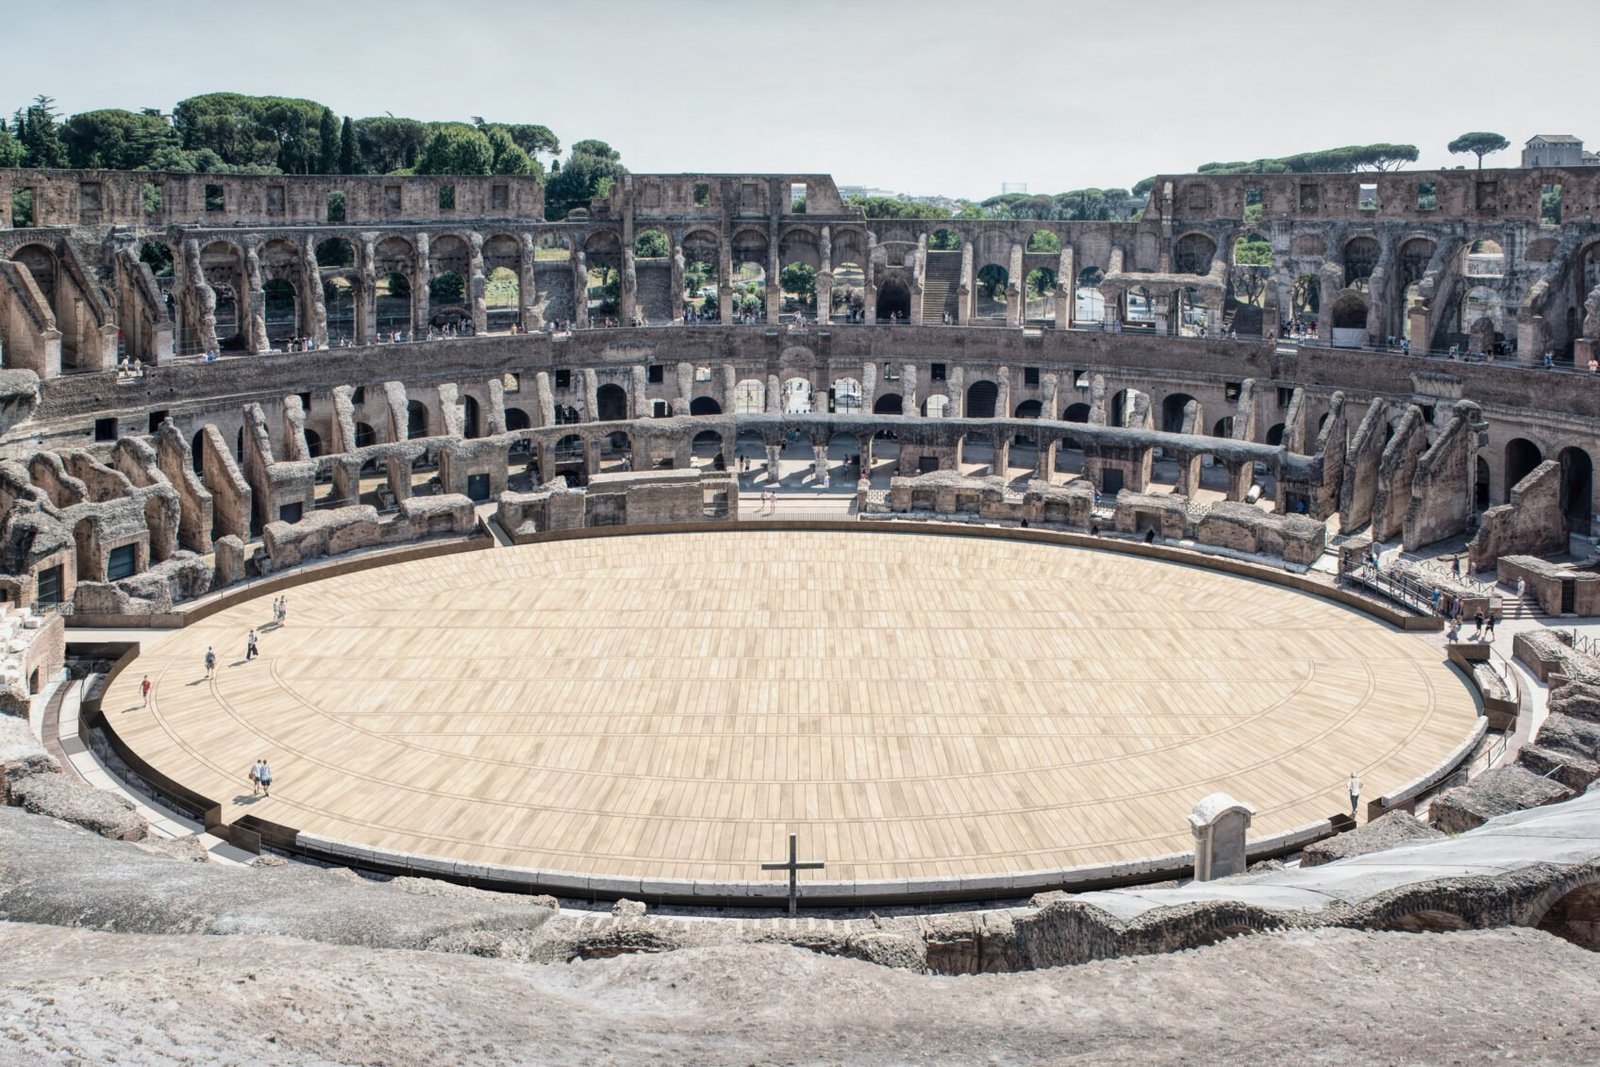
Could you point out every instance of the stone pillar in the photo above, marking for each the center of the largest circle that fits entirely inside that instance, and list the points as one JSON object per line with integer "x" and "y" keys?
{"x": 367, "y": 309}
{"x": 527, "y": 286}
{"x": 774, "y": 395}
{"x": 1002, "y": 400}
{"x": 725, "y": 280}
{"x": 1045, "y": 464}
{"x": 494, "y": 408}
{"x": 774, "y": 291}
{"x": 1016, "y": 280}
{"x": 1001, "y": 463}
{"x": 1188, "y": 474}
{"x": 639, "y": 406}
{"x": 955, "y": 386}
{"x": 1241, "y": 475}
{"x": 580, "y": 288}
{"x": 966, "y": 288}
{"x": 730, "y": 389}
{"x": 477, "y": 283}
{"x": 869, "y": 281}
{"x": 316, "y": 308}
{"x": 421, "y": 275}
{"x": 774, "y": 455}
{"x": 919, "y": 279}
{"x": 825, "y": 279}
{"x": 544, "y": 413}
{"x": 908, "y": 389}
{"x": 591, "y": 402}
{"x": 255, "y": 306}
{"x": 675, "y": 299}
{"x": 1219, "y": 823}
{"x": 819, "y": 460}
{"x": 1066, "y": 288}
{"x": 628, "y": 304}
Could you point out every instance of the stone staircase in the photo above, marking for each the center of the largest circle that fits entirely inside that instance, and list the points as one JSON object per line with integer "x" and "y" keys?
{"x": 939, "y": 286}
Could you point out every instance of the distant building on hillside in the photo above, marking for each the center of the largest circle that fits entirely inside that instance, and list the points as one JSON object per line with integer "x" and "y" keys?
{"x": 1555, "y": 150}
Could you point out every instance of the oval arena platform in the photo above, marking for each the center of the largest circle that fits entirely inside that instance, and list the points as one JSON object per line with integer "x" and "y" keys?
{"x": 666, "y": 709}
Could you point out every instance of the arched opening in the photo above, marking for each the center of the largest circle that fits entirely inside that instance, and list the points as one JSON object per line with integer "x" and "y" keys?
{"x": 1091, "y": 303}
{"x": 889, "y": 404}
{"x": 750, "y": 397}
{"x": 978, "y": 454}
{"x": 1480, "y": 487}
{"x": 706, "y": 447}
{"x": 617, "y": 450}
{"x": 517, "y": 419}
{"x": 1040, "y": 294}
{"x": 281, "y": 312}
{"x": 797, "y": 397}
{"x": 568, "y": 450}
{"x": 704, "y": 405}
{"x": 934, "y": 407}
{"x": 989, "y": 300}
{"x": 844, "y": 459}
{"x": 1117, "y": 408}
{"x": 1076, "y": 413}
{"x": 1483, "y": 258}
{"x": 1575, "y": 917}
{"x": 335, "y": 252}
{"x": 1577, "y": 486}
{"x": 944, "y": 240}
{"x": 158, "y": 257}
{"x": 652, "y": 244}
{"x": 416, "y": 419}
{"x": 1349, "y": 321}
{"x": 1028, "y": 409}
{"x": 611, "y": 403}
{"x": 1360, "y": 260}
{"x": 339, "y": 301}
{"x": 1172, "y": 412}
{"x": 1305, "y": 298}
{"x": 1043, "y": 241}
{"x": 1275, "y": 435}
{"x": 981, "y": 397}
{"x": 700, "y": 275}
{"x": 1522, "y": 455}
{"x": 1481, "y": 317}
{"x": 1223, "y": 427}
{"x": 603, "y": 255}
{"x": 845, "y": 396}
{"x": 502, "y": 298}
{"x": 313, "y": 443}
{"x": 567, "y": 415}
{"x": 470, "y": 423}
{"x": 227, "y": 316}
{"x": 447, "y": 301}
{"x": 197, "y": 455}
{"x": 894, "y": 301}
{"x": 393, "y": 261}
{"x": 393, "y": 304}
{"x": 365, "y": 435}
{"x": 1193, "y": 254}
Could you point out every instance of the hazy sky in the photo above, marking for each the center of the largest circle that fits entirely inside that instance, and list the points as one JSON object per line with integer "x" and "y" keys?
{"x": 920, "y": 96}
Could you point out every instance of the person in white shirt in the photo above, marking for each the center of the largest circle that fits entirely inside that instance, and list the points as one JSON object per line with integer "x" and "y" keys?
{"x": 1354, "y": 786}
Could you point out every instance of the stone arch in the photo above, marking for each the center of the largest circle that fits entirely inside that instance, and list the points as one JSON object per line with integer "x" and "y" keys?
{"x": 704, "y": 405}
{"x": 1076, "y": 413}
{"x": 1193, "y": 253}
{"x": 1172, "y": 406}
{"x": 707, "y": 444}
{"x": 749, "y": 397}
{"x": 1275, "y": 434}
{"x": 1090, "y": 302}
{"x": 1349, "y": 313}
{"x": 894, "y": 300}
{"x": 1223, "y": 427}
{"x": 797, "y": 396}
{"x": 889, "y": 404}
{"x": 1574, "y": 915}
{"x": 40, "y": 259}
{"x": 1043, "y": 241}
{"x": 944, "y": 239}
{"x": 1360, "y": 257}
{"x": 1483, "y": 257}
{"x": 934, "y": 406}
{"x": 980, "y": 399}
{"x": 416, "y": 419}
{"x": 990, "y": 282}
{"x": 1521, "y": 456}
{"x": 1577, "y": 487}
{"x": 652, "y": 244}
{"x": 702, "y": 271}
{"x": 517, "y": 419}
{"x": 611, "y": 403}
{"x": 281, "y": 310}
{"x": 471, "y": 420}
{"x": 799, "y": 244}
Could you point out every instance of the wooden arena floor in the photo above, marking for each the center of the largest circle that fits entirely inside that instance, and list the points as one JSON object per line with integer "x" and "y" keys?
{"x": 674, "y": 705}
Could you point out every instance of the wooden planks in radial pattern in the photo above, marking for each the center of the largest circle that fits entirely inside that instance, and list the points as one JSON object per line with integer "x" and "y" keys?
{"x": 674, "y": 706}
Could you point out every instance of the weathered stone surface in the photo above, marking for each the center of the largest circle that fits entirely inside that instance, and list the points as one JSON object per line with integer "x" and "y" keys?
{"x": 22, "y": 755}
{"x": 1497, "y": 792}
{"x": 1395, "y": 828}
{"x": 72, "y": 801}
{"x": 1573, "y": 771}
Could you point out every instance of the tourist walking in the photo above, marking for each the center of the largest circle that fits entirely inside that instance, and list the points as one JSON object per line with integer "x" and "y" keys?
{"x": 1522, "y": 589}
{"x": 211, "y": 661}
{"x": 255, "y": 778}
{"x": 1354, "y": 785}
{"x": 1489, "y": 628}
{"x": 250, "y": 646}
{"x": 144, "y": 690}
{"x": 265, "y": 776}
{"x": 1477, "y": 634}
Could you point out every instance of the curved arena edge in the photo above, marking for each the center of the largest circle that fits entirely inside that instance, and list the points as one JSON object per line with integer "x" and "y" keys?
{"x": 255, "y": 833}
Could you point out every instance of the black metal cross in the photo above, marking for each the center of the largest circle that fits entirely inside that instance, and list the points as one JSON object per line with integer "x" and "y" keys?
{"x": 792, "y": 866}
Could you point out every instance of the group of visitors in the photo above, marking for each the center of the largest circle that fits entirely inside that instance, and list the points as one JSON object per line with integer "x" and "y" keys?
{"x": 128, "y": 368}
{"x": 1298, "y": 330}
{"x": 261, "y": 778}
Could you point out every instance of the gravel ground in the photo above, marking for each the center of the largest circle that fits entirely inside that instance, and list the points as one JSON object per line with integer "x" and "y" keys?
{"x": 1328, "y": 996}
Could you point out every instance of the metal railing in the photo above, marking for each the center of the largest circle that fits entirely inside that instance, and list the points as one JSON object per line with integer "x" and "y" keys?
{"x": 1398, "y": 587}
{"x": 1583, "y": 644}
